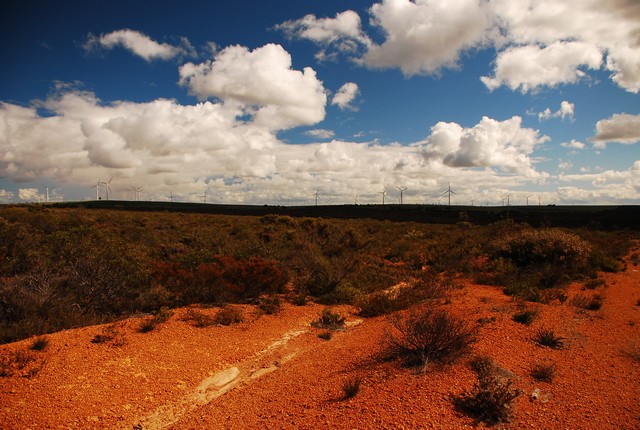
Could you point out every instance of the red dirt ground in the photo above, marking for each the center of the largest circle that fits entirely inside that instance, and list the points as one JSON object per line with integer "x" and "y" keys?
{"x": 275, "y": 372}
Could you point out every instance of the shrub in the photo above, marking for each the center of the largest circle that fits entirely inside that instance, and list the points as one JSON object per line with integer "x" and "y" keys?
{"x": 547, "y": 337}
{"x": 593, "y": 283}
{"x": 198, "y": 319}
{"x": 427, "y": 335}
{"x": 110, "y": 334}
{"x": 329, "y": 320}
{"x": 228, "y": 315}
{"x": 544, "y": 371}
{"x": 325, "y": 335}
{"x": 39, "y": 343}
{"x": 150, "y": 324}
{"x": 351, "y": 387}
{"x": 491, "y": 398}
{"x": 20, "y": 363}
{"x": 592, "y": 303}
{"x": 270, "y": 305}
{"x": 525, "y": 316}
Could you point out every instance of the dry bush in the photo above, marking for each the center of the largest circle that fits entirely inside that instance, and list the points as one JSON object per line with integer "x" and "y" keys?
{"x": 150, "y": 324}
{"x": 351, "y": 387}
{"x": 228, "y": 315}
{"x": 270, "y": 305}
{"x": 491, "y": 398}
{"x": 592, "y": 303}
{"x": 198, "y": 319}
{"x": 111, "y": 335}
{"x": 547, "y": 337}
{"x": 425, "y": 335}
{"x": 20, "y": 363}
{"x": 544, "y": 371}
{"x": 525, "y": 316}
{"x": 329, "y": 320}
{"x": 39, "y": 344}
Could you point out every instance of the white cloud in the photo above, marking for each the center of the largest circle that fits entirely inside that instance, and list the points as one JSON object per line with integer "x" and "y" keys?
{"x": 529, "y": 67}
{"x": 30, "y": 194}
{"x": 610, "y": 27}
{"x": 607, "y": 187}
{"x": 565, "y": 111}
{"x": 262, "y": 82}
{"x": 320, "y": 133}
{"x": 425, "y": 36}
{"x": 573, "y": 144}
{"x": 490, "y": 143}
{"x": 6, "y": 196}
{"x": 343, "y": 28}
{"x": 621, "y": 128}
{"x": 345, "y": 96}
{"x": 139, "y": 44}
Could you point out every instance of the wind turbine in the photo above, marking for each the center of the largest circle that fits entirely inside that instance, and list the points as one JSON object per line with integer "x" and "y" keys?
{"x": 170, "y": 196}
{"x": 137, "y": 191}
{"x": 402, "y": 189}
{"x": 355, "y": 201}
{"x": 316, "y": 195}
{"x": 97, "y": 187}
{"x": 204, "y": 196}
{"x": 46, "y": 193}
{"x": 384, "y": 193}
{"x": 528, "y": 200}
{"x": 107, "y": 188}
{"x": 449, "y": 192}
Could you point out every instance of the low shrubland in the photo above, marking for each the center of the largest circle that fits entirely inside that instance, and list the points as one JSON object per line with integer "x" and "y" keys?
{"x": 63, "y": 268}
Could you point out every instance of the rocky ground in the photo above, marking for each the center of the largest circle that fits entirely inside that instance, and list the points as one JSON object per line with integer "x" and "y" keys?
{"x": 274, "y": 371}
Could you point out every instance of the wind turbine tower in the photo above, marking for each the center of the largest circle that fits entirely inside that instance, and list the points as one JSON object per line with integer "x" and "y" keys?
{"x": 449, "y": 192}
{"x": 384, "y": 193}
{"x": 316, "y": 196}
{"x": 402, "y": 189}
{"x": 97, "y": 187}
{"x": 528, "y": 200}
{"x": 107, "y": 188}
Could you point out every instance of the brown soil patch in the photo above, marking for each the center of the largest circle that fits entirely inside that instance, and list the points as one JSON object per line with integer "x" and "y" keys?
{"x": 275, "y": 372}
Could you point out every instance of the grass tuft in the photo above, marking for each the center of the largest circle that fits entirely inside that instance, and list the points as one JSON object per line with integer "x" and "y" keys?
{"x": 39, "y": 344}
{"x": 547, "y": 337}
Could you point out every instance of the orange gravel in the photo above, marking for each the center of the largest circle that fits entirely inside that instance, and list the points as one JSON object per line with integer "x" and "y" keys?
{"x": 275, "y": 372}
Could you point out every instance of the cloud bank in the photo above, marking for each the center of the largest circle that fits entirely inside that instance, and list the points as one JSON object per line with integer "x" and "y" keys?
{"x": 139, "y": 44}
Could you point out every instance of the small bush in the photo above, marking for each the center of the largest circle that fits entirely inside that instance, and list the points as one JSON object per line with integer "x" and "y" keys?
{"x": 547, "y": 337}
{"x": 325, "y": 335}
{"x": 544, "y": 371}
{"x": 150, "y": 324}
{"x": 428, "y": 335}
{"x": 525, "y": 316}
{"x": 329, "y": 320}
{"x": 351, "y": 387}
{"x": 198, "y": 319}
{"x": 593, "y": 283}
{"x": 228, "y": 315}
{"x": 270, "y": 305}
{"x": 110, "y": 334}
{"x": 491, "y": 398}
{"x": 20, "y": 363}
{"x": 592, "y": 303}
{"x": 39, "y": 343}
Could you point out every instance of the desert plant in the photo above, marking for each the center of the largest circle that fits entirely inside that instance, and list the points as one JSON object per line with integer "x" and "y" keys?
{"x": 351, "y": 387}
{"x": 20, "y": 363}
{"x": 270, "y": 305}
{"x": 593, "y": 283}
{"x": 150, "y": 324}
{"x": 544, "y": 371}
{"x": 426, "y": 335}
{"x": 39, "y": 343}
{"x": 325, "y": 335}
{"x": 228, "y": 315}
{"x": 547, "y": 337}
{"x": 525, "y": 316}
{"x": 592, "y": 303}
{"x": 110, "y": 334}
{"x": 491, "y": 398}
{"x": 329, "y": 320}
{"x": 198, "y": 319}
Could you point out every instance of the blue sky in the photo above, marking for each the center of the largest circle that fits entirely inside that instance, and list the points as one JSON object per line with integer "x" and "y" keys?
{"x": 268, "y": 102}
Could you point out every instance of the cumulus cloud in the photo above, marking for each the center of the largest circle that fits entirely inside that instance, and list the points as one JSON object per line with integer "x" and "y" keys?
{"x": 621, "y": 128}
{"x": 344, "y": 31}
{"x": 30, "y": 194}
{"x": 607, "y": 187}
{"x": 320, "y": 133}
{"x": 263, "y": 82}
{"x": 529, "y": 67}
{"x": 573, "y": 144}
{"x": 531, "y": 27}
{"x": 425, "y": 36}
{"x": 139, "y": 44}
{"x": 490, "y": 143}
{"x": 565, "y": 111}
{"x": 345, "y": 96}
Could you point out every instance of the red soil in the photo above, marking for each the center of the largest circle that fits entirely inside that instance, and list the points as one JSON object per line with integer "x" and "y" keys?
{"x": 275, "y": 372}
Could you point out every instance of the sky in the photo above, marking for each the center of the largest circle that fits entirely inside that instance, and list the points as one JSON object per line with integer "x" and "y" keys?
{"x": 291, "y": 102}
